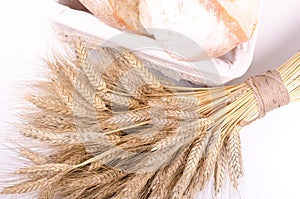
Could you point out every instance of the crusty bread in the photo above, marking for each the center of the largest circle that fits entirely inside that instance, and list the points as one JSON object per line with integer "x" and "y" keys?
{"x": 128, "y": 10}
{"x": 74, "y": 4}
{"x": 187, "y": 29}
{"x": 199, "y": 29}
{"x": 245, "y": 13}
{"x": 121, "y": 14}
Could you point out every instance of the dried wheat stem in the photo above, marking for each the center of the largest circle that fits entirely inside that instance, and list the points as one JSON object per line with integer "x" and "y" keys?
{"x": 45, "y": 120}
{"x": 91, "y": 180}
{"x": 81, "y": 52}
{"x": 140, "y": 126}
{"x": 191, "y": 165}
{"x": 130, "y": 117}
{"x": 212, "y": 152}
{"x": 163, "y": 177}
{"x": 106, "y": 191}
{"x": 34, "y": 157}
{"x": 45, "y": 168}
{"x": 185, "y": 132}
{"x": 220, "y": 171}
{"x": 133, "y": 186}
{"x": 130, "y": 59}
{"x": 48, "y": 103}
{"x": 65, "y": 92}
{"x": 205, "y": 166}
{"x": 115, "y": 100}
{"x": 174, "y": 100}
{"x": 69, "y": 154}
{"x": 27, "y": 186}
{"x": 52, "y": 138}
{"x": 233, "y": 146}
{"x": 88, "y": 92}
{"x": 47, "y": 192}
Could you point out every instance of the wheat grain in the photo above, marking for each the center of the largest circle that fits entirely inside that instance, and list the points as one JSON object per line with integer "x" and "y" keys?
{"x": 69, "y": 154}
{"x": 134, "y": 186}
{"x": 47, "y": 192}
{"x": 191, "y": 165}
{"x": 81, "y": 52}
{"x": 25, "y": 187}
{"x": 141, "y": 126}
{"x": 160, "y": 183}
{"x": 52, "y": 138}
{"x": 49, "y": 104}
{"x": 91, "y": 179}
{"x": 45, "y": 120}
{"x": 233, "y": 146}
{"x": 34, "y": 157}
{"x": 212, "y": 151}
{"x": 184, "y": 133}
{"x": 131, "y": 60}
{"x": 220, "y": 171}
{"x": 45, "y": 168}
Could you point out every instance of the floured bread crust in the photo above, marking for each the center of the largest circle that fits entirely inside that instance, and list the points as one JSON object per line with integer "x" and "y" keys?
{"x": 199, "y": 29}
{"x": 121, "y": 14}
{"x": 189, "y": 30}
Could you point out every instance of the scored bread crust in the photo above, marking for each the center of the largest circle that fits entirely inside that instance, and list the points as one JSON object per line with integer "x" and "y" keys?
{"x": 110, "y": 12}
{"x": 103, "y": 10}
{"x": 231, "y": 26}
{"x": 128, "y": 10}
{"x": 233, "y": 32}
{"x": 221, "y": 14}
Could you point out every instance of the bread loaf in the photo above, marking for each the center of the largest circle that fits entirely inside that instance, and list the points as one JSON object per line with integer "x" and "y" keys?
{"x": 74, "y": 4}
{"x": 121, "y": 14}
{"x": 189, "y": 30}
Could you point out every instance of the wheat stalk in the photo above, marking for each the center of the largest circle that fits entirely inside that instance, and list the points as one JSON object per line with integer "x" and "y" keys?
{"x": 34, "y": 157}
{"x": 134, "y": 186}
{"x": 220, "y": 171}
{"x": 163, "y": 179}
{"x": 191, "y": 165}
{"x": 233, "y": 147}
{"x": 114, "y": 130}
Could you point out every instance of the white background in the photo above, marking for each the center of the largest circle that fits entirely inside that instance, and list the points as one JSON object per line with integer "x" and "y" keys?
{"x": 270, "y": 146}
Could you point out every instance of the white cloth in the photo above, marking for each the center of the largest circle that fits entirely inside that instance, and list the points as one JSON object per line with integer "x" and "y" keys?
{"x": 211, "y": 72}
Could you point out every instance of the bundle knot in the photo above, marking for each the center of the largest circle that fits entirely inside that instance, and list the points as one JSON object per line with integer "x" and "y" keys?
{"x": 269, "y": 90}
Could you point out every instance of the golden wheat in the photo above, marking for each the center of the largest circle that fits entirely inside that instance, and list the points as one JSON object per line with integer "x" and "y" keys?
{"x": 112, "y": 129}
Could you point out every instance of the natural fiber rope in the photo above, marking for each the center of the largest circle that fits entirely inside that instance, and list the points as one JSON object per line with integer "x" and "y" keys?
{"x": 270, "y": 92}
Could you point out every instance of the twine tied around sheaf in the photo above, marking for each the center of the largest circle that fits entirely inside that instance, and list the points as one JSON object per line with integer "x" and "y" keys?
{"x": 270, "y": 93}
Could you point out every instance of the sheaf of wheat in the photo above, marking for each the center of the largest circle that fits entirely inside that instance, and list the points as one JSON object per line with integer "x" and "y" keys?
{"x": 113, "y": 129}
